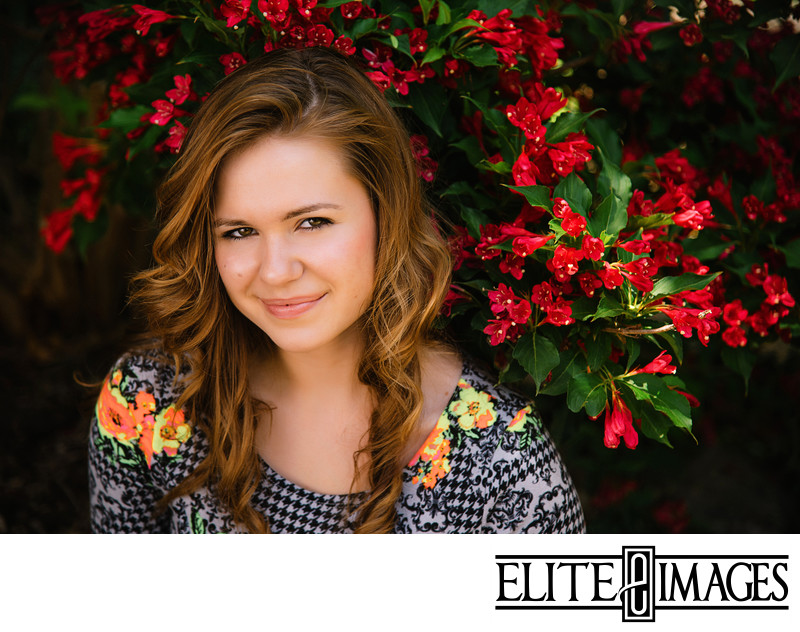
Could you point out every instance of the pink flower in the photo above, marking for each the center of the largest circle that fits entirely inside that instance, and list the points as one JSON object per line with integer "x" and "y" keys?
{"x": 564, "y": 263}
{"x": 506, "y": 305}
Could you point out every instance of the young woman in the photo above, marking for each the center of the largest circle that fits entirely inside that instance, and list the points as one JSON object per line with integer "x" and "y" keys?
{"x": 293, "y": 384}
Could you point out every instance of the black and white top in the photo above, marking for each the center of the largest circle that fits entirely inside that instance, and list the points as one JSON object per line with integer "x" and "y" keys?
{"x": 488, "y": 466}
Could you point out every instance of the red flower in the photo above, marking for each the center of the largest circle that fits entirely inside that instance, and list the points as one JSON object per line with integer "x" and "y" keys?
{"x": 68, "y": 150}
{"x": 58, "y": 229}
{"x": 593, "y": 248}
{"x": 235, "y": 11}
{"x": 559, "y": 313}
{"x": 513, "y": 264}
{"x": 351, "y": 10}
{"x": 174, "y": 138}
{"x": 165, "y": 110}
{"x": 734, "y": 337}
{"x": 619, "y": 423}
{"x": 274, "y": 11}
{"x": 758, "y": 274}
{"x": 564, "y": 263}
{"x": 525, "y": 242}
{"x": 660, "y": 364}
{"x": 344, "y": 45}
{"x": 182, "y": 90}
{"x": 573, "y": 224}
{"x": 232, "y": 61}
{"x": 733, "y": 313}
{"x": 589, "y": 283}
{"x": 691, "y": 34}
{"x": 506, "y": 305}
{"x": 635, "y": 246}
{"x": 777, "y": 292}
{"x": 319, "y": 35}
{"x": 490, "y": 237}
{"x": 148, "y": 17}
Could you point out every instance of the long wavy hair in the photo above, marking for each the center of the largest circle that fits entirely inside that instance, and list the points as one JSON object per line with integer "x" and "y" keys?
{"x": 316, "y": 93}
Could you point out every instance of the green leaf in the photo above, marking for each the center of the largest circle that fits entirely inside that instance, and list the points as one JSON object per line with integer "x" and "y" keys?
{"x": 432, "y": 54}
{"x": 741, "y": 361}
{"x": 444, "y": 16}
{"x": 565, "y": 124}
{"x": 570, "y": 364}
{"x": 786, "y": 58}
{"x": 650, "y": 221}
{"x": 608, "y": 307}
{"x": 597, "y": 350}
{"x": 654, "y": 425}
{"x": 474, "y": 219}
{"x": 792, "y": 252}
{"x": 537, "y": 355}
{"x": 480, "y": 56}
{"x": 575, "y": 192}
{"x": 128, "y": 119}
{"x": 536, "y": 194}
{"x": 429, "y": 102}
{"x": 667, "y": 286}
{"x": 605, "y": 139}
{"x": 673, "y": 339}
{"x": 586, "y": 390}
{"x": 613, "y": 180}
{"x": 652, "y": 388}
{"x": 609, "y": 218}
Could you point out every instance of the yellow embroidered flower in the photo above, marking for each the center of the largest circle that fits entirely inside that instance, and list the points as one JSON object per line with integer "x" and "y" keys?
{"x": 170, "y": 431}
{"x": 474, "y": 409}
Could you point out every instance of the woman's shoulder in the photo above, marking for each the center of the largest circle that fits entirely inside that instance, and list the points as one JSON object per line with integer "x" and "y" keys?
{"x": 137, "y": 418}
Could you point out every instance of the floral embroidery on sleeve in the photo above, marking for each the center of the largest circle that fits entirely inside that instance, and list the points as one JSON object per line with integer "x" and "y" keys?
{"x": 472, "y": 410}
{"x": 138, "y": 422}
{"x": 527, "y": 424}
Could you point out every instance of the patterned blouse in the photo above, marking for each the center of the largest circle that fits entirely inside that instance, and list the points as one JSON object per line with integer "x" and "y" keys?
{"x": 487, "y": 467}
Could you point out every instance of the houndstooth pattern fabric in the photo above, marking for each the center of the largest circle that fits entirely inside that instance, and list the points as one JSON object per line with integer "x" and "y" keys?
{"x": 489, "y": 466}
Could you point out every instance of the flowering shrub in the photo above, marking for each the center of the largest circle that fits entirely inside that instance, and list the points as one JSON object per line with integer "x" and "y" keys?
{"x": 620, "y": 176}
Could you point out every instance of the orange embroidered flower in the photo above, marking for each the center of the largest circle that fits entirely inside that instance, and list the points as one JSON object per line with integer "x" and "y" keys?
{"x": 522, "y": 417}
{"x": 138, "y": 421}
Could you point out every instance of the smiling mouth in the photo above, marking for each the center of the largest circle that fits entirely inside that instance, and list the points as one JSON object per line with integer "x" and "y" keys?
{"x": 291, "y": 307}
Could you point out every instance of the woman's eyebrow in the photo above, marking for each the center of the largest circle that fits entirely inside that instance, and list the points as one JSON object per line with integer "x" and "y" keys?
{"x": 303, "y": 210}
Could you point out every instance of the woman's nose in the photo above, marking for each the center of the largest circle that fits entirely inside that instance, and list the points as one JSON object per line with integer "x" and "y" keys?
{"x": 280, "y": 263}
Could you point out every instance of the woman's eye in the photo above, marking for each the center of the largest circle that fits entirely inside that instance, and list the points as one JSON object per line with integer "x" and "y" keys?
{"x": 312, "y": 223}
{"x": 238, "y": 233}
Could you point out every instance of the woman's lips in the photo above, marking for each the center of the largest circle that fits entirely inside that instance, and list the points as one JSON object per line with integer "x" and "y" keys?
{"x": 291, "y": 307}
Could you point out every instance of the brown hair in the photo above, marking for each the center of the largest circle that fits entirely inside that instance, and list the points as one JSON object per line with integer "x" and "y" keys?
{"x": 313, "y": 92}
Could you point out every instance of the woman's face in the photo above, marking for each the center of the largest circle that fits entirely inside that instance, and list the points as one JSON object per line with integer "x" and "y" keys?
{"x": 295, "y": 242}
